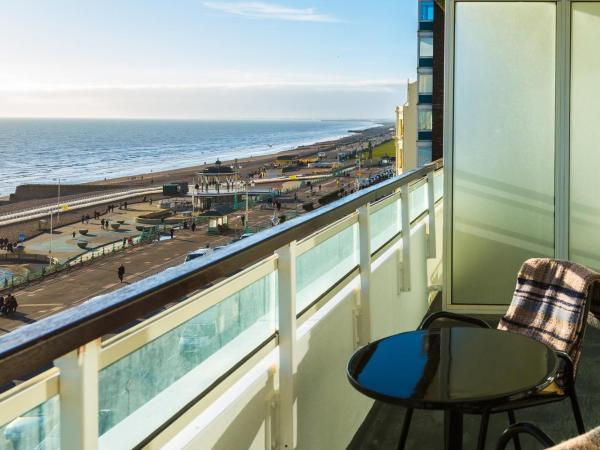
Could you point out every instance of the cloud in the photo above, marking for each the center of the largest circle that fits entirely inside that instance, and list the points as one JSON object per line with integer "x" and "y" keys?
{"x": 275, "y": 101}
{"x": 262, "y": 10}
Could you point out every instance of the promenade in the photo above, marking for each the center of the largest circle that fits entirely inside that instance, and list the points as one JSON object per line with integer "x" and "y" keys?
{"x": 69, "y": 288}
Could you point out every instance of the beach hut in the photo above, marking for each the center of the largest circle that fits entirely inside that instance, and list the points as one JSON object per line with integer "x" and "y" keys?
{"x": 218, "y": 221}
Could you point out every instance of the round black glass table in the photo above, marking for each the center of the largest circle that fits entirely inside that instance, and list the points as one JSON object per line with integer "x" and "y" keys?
{"x": 458, "y": 370}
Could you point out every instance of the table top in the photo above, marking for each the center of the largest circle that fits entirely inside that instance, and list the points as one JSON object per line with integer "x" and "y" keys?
{"x": 450, "y": 368}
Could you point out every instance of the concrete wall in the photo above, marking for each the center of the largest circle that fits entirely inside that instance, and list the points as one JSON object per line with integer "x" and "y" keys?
{"x": 36, "y": 191}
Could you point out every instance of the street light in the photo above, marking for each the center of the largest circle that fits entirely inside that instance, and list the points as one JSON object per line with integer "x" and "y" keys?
{"x": 52, "y": 215}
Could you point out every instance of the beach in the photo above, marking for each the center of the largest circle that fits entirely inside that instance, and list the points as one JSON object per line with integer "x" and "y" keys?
{"x": 248, "y": 165}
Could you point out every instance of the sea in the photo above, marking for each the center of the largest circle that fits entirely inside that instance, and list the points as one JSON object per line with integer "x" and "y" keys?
{"x": 82, "y": 150}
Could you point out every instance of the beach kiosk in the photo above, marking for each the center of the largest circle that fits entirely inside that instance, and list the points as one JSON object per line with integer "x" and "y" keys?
{"x": 218, "y": 221}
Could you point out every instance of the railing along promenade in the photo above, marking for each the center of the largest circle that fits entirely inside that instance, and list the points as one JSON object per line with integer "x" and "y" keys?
{"x": 254, "y": 347}
{"x": 81, "y": 202}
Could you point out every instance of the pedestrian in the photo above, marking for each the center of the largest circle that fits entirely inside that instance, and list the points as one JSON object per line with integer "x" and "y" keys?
{"x": 82, "y": 219}
{"x": 172, "y": 232}
{"x": 2, "y": 305}
{"x": 73, "y": 235}
{"x": 125, "y": 205}
{"x": 124, "y": 242}
{"x": 11, "y": 304}
{"x": 102, "y": 224}
{"x": 121, "y": 272}
{"x": 193, "y": 227}
{"x": 319, "y": 188}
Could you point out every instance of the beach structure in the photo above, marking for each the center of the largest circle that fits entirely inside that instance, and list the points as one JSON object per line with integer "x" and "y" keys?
{"x": 218, "y": 220}
{"x": 217, "y": 185}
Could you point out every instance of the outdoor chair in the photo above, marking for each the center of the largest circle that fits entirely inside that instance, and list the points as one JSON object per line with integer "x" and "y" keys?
{"x": 551, "y": 303}
{"x": 587, "y": 441}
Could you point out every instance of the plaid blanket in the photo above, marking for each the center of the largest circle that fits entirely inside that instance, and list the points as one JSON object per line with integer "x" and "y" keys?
{"x": 551, "y": 303}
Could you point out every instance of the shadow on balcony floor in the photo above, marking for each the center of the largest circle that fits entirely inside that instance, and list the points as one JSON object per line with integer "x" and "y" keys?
{"x": 381, "y": 428}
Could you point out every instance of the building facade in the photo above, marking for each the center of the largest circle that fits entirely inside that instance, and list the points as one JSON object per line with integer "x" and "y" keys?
{"x": 430, "y": 71}
{"x": 406, "y": 131}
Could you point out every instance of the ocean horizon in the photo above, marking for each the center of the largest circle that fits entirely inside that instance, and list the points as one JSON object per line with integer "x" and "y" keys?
{"x": 84, "y": 150}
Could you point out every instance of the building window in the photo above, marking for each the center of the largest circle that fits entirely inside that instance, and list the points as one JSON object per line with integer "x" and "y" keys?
{"x": 425, "y": 46}
{"x": 425, "y": 120}
{"x": 425, "y": 83}
{"x": 426, "y": 11}
{"x": 423, "y": 153}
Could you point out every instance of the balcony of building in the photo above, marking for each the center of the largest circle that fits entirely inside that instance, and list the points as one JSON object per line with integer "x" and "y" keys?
{"x": 252, "y": 348}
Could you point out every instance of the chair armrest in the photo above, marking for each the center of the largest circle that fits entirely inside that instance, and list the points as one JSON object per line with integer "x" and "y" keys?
{"x": 527, "y": 428}
{"x": 427, "y": 321}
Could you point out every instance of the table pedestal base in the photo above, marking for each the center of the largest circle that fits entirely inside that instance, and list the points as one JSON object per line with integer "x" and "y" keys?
{"x": 453, "y": 430}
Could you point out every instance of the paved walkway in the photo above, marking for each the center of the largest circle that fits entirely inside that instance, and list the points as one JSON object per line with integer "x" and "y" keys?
{"x": 67, "y": 289}
{"x": 64, "y": 245}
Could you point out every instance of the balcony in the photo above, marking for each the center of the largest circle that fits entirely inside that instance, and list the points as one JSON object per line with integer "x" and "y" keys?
{"x": 252, "y": 348}
{"x": 248, "y": 347}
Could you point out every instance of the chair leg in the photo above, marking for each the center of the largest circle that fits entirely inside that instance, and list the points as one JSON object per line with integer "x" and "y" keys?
{"x": 577, "y": 412}
{"x": 512, "y": 420}
{"x": 483, "y": 426}
{"x": 405, "y": 427}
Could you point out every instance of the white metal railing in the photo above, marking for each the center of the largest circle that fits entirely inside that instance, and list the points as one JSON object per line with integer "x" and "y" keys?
{"x": 164, "y": 381}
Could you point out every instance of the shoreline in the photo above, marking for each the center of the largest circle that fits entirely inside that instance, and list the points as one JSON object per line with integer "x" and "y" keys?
{"x": 148, "y": 155}
{"x": 186, "y": 173}
{"x": 249, "y": 164}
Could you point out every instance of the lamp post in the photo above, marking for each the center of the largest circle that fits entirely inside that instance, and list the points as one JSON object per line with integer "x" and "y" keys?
{"x": 246, "y": 215}
{"x": 52, "y": 217}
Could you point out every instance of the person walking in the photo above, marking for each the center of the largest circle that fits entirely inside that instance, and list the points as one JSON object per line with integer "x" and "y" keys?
{"x": 193, "y": 227}
{"x": 172, "y": 232}
{"x": 13, "y": 304}
{"x": 121, "y": 272}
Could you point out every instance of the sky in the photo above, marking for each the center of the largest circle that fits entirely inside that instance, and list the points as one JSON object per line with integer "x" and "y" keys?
{"x": 195, "y": 59}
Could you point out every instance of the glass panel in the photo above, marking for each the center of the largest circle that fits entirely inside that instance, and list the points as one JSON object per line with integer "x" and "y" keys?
{"x": 38, "y": 428}
{"x": 425, "y": 83}
{"x": 585, "y": 135}
{"x": 423, "y": 153}
{"x": 322, "y": 266}
{"x": 425, "y": 120}
{"x": 140, "y": 391}
{"x": 438, "y": 185}
{"x": 384, "y": 225}
{"x": 425, "y": 46}
{"x": 418, "y": 202}
{"x": 426, "y": 11}
{"x": 503, "y": 198}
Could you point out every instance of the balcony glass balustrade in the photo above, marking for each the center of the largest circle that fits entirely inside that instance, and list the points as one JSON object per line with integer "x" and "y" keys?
{"x": 254, "y": 360}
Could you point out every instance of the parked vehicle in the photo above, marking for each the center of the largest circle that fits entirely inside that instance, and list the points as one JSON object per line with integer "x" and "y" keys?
{"x": 198, "y": 253}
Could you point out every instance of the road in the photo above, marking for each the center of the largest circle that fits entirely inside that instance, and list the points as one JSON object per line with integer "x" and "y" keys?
{"x": 71, "y": 288}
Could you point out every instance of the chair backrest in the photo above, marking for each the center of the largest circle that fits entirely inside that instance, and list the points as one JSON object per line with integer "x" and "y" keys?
{"x": 551, "y": 303}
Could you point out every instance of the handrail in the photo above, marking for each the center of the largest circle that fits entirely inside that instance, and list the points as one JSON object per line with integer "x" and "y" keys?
{"x": 26, "y": 349}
